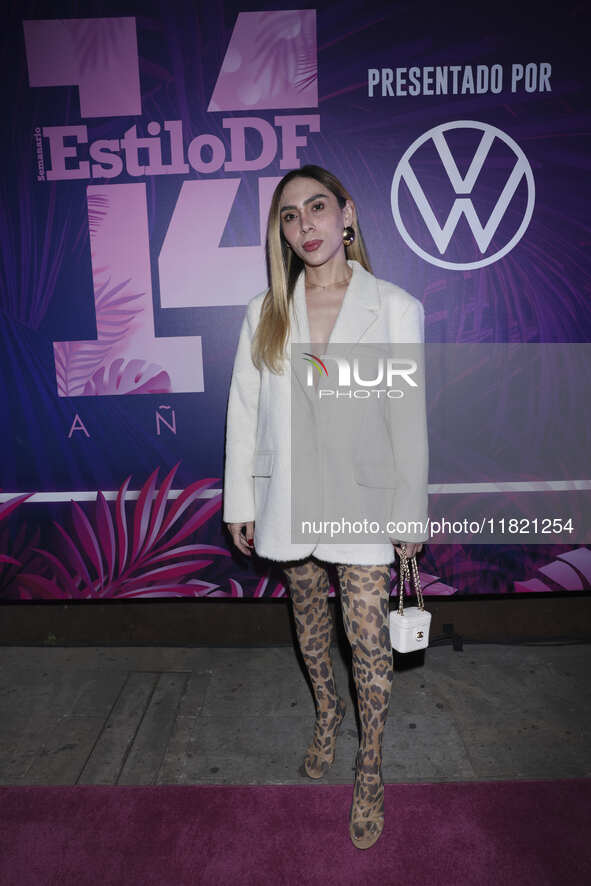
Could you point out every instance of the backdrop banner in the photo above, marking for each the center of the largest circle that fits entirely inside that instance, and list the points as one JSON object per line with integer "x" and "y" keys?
{"x": 141, "y": 147}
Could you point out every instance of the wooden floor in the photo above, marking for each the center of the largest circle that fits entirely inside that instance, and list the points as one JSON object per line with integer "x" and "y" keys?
{"x": 163, "y": 715}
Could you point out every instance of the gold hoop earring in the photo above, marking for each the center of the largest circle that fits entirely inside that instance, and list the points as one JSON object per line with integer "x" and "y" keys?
{"x": 348, "y": 236}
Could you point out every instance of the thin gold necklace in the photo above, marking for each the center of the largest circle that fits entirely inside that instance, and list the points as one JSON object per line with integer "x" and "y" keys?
{"x": 326, "y": 285}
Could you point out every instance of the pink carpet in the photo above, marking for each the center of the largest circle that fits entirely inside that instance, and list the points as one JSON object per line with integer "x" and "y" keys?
{"x": 531, "y": 833}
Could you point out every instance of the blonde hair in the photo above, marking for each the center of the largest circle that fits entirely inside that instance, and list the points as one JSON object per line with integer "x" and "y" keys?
{"x": 284, "y": 268}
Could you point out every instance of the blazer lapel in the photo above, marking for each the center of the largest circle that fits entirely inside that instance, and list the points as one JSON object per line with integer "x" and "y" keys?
{"x": 359, "y": 310}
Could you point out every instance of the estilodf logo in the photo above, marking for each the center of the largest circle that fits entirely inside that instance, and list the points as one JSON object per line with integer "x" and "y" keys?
{"x": 384, "y": 371}
{"x": 488, "y": 208}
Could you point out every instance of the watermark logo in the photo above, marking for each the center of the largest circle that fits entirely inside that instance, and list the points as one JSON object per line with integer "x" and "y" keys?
{"x": 463, "y": 205}
{"x": 386, "y": 371}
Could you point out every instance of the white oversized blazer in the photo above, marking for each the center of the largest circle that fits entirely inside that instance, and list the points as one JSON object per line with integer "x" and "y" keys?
{"x": 258, "y": 465}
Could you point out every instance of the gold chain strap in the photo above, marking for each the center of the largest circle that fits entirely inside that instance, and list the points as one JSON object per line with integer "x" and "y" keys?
{"x": 405, "y": 574}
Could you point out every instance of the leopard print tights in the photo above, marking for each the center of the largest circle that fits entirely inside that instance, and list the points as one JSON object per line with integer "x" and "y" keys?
{"x": 364, "y": 593}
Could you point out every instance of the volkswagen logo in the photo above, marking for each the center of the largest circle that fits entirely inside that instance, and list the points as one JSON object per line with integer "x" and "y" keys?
{"x": 436, "y": 237}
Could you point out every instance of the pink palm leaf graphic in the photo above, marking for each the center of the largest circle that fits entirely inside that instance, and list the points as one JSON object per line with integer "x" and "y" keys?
{"x": 76, "y": 361}
{"x": 571, "y": 571}
{"x": 117, "y": 557}
{"x": 6, "y": 508}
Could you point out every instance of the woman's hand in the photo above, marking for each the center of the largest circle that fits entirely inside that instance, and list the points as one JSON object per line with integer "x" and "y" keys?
{"x": 240, "y": 539}
{"x": 412, "y": 547}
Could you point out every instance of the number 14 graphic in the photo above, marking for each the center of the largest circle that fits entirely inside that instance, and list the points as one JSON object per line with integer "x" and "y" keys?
{"x": 192, "y": 270}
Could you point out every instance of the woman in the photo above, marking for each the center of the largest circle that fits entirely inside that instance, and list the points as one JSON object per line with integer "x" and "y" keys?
{"x": 322, "y": 291}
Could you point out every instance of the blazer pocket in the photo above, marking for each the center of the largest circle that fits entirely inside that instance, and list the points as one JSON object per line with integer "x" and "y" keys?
{"x": 263, "y": 463}
{"x": 375, "y": 474}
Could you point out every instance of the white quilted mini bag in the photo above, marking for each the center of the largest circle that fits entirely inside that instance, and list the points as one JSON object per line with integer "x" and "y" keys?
{"x": 409, "y": 628}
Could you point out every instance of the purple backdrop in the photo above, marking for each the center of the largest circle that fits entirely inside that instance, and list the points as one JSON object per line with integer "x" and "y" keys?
{"x": 142, "y": 146}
